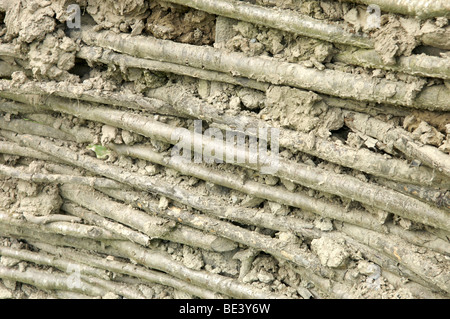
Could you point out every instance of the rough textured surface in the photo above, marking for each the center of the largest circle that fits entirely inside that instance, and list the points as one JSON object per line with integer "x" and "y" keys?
{"x": 171, "y": 22}
{"x": 351, "y": 254}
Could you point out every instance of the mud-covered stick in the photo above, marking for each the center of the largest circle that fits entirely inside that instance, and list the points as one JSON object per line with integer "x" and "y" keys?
{"x": 401, "y": 139}
{"x": 330, "y": 82}
{"x": 360, "y": 159}
{"x": 439, "y": 197}
{"x": 235, "y": 233}
{"x": 135, "y": 271}
{"x": 315, "y": 178}
{"x": 162, "y": 261}
{"x": 62, "y": 263}
{"x": 421, "y": 65}
{"x": 285, "y": 20}
{"x": 15, "y": 172}
{"x": 296, "y": 199}
{"x": 91, "y": 53}
{"x": 60, "y": 227}
{"x": 152, "y": 259}
{"x": 11, "y": 148}
{"x": 43, "y": 280}
{"x": 424, "y": 265}
{"x": 420, "y": 8}
{"x": 150, "y": 225}
{"x": 183, "y": 234}
{"x": 114, "y": 227}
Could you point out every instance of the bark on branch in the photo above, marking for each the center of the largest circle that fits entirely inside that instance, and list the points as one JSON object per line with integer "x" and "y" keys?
{"x": 241, "y": 235}
{"x": 63, "y": 228}
{"x": 329, "y": 82}
{"x": 315, "y": 178}
{"x": 120, "y": 267}
{"x": 150, "y": 258}
{"x": 420, "y": 65}
{"x": 424, "y": 265}
{"x": 401, "y": 139}
{"x": 362, "y": 159}
{"x": 116, "y": 228}
{"x": 97, "y": 54}
{"x": 58, "y": 178}
{"x": 420, "y": 8}
{"x": 153, "y": 226}
{"x": 46, "y": 281}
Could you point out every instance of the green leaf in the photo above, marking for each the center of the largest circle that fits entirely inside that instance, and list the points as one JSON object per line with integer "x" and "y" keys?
{"x": 100, "y": 151}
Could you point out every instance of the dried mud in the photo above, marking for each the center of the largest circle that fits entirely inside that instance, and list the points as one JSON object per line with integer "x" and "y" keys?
{"x": 46, "y": 53}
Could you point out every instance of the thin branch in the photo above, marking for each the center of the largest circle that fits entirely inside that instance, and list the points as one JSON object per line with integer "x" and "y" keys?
{"x": 154, "y": 227}
{"x": 420, "y": 8}
{"x": 421, "y": 65}
{"x": 285, "y": 20}
{"x": 58, "y": 227}
{"x": 116, "y": 228}
{"x": 15, "y": 149}
{"x": 238, "y": 234}
{"x": 440, "y": 198}
{"x": 315, "y": 178}
{"x": 62, "y": 263}
{"x": 149, "y": 258}
{"x": 424, "y": 265}
{"x": 92, "y": 53}
{"x": 335, "y": 83}
{"x": 150, "y": 225}
{"x": 48, "y": 219}
{"x": 58, "y": 178}
{"x": 46, "y": 281}
{"x": 362, "y": 159}
{"x": 296, "y": 199}
{"x": 120, "y": 267}
{"x": 401, "y": 139}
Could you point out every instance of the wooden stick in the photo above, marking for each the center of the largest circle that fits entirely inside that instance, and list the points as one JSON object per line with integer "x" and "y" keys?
{"x": 424, "y": 265}
{"x": 91, "y": 53}
{"x": 421, "y": 65}
{"x": 116, "y": 228}
{"x": 338, "y": 184}
{"x": 58, "y": 178}
{"x": 120, "y": 267}
{"x": 150, "y": 258}
{"x": 362, "y": 159}
{"x": 152, "y": 226}
{"x": 285, "y": 20}
{"x": 335, "y": 83}
{"x": 401, "y": 139}
{"x": 46, "y": 281}
{"x": 238, "y": 234}
{"x": 440, "y": 198}
{"x": 62, "y": 263}
{"x": 63, "y": 228}
{"x": 420, "y": 8}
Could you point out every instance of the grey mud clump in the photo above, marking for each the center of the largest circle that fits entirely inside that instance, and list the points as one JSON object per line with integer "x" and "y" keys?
{"x": 91, "y": 119}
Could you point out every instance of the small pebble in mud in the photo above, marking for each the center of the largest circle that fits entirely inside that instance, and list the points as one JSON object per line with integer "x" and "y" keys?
{"x": 290, "y": 186}
{"x": 331, "y": 253}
